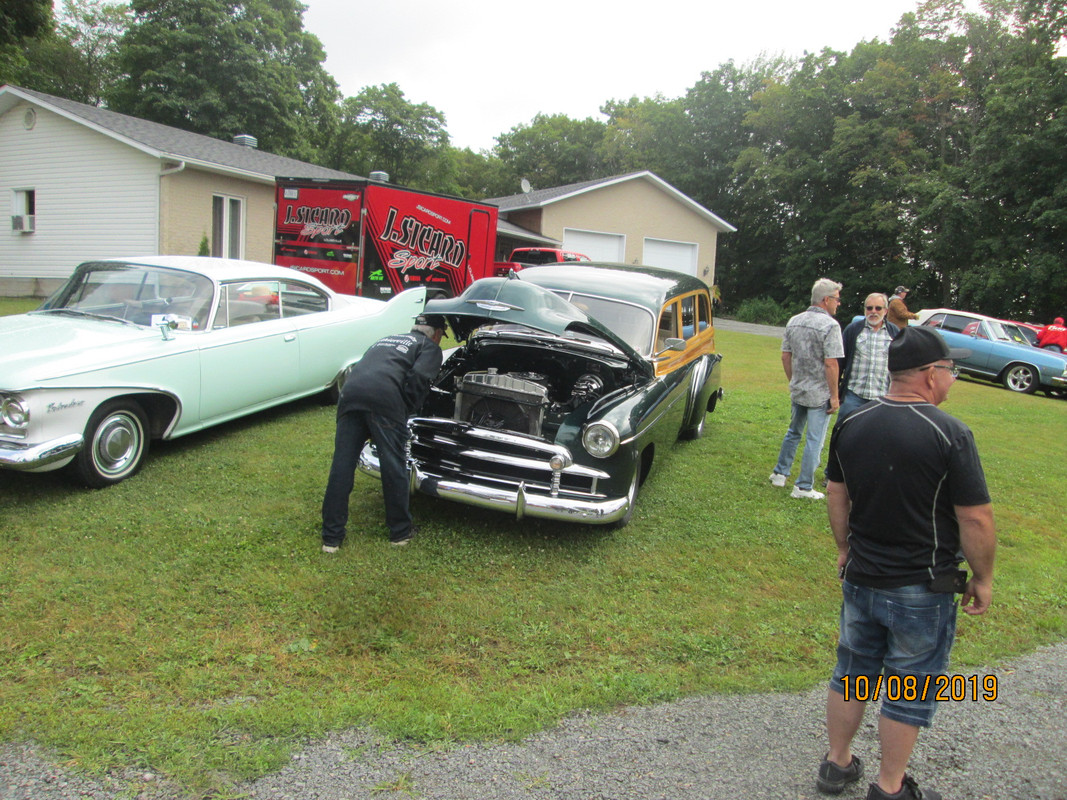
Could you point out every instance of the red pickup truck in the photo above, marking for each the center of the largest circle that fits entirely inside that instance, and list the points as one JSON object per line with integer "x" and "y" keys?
{"x": 535, "y": 256}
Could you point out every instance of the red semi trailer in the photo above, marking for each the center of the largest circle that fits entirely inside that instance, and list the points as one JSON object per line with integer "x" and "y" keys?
{"x": 376, "y": 239}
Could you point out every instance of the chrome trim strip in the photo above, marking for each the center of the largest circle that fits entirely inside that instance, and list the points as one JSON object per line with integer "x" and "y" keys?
{"x": 451, "y": 427}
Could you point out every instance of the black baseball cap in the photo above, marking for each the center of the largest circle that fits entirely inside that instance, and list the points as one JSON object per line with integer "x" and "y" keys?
{"x": 917, "y": 346}
{"x": 435, "y": 321}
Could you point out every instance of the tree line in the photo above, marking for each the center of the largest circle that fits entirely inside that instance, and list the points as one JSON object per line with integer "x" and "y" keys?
{"x": 936, "y": 159}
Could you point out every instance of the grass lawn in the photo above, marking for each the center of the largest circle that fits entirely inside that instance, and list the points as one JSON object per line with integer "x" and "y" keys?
{"x": 185, "y": 622}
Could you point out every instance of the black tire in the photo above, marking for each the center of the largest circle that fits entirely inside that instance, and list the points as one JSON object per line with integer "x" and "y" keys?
{"x": 1020, "y": 378}
{"x": 1054, "y": 347}
{"x": 116, "y": 443}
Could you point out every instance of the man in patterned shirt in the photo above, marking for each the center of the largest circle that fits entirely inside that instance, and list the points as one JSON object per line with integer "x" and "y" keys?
{"x": 865, "y": 367}
{"x": 810, "y": 350}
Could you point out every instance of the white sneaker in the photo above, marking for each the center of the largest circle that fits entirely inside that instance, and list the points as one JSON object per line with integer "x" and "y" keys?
{"x": 810, "y": 494}
{"x": 777, "y": 479}
{"x": 329, "y": 548}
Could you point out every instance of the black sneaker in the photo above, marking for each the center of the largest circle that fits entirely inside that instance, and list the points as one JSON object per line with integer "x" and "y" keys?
{"x": 833, "y": 779}
{"x": 400, "y": 541}
{"x": 908, "y": 791}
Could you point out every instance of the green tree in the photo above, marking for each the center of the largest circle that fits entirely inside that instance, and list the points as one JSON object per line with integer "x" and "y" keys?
{"x": 652, "y": 133}
{"x": 24, "y": 19}
{"x": 78, "y": 60}
{"x": 223, "y": 67}
{"x": 380, "y": 129}
{"x": 482, "y": 175}
{"x": 1018, "y": 169}
{"x": 81, "y": 61}
{"x": 554, "y": 150}
{"x": 22, "y": 22}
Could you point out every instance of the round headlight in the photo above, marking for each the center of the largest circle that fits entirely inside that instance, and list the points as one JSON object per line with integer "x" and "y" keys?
{"x": 600, "y": 439}
{"x": 13, "y": 413}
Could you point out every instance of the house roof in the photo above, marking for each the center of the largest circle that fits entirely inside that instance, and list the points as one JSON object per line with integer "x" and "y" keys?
{"x": 172, "y": 144}
{"x": 505, "y": 228}
{"x": 542, "y": 197}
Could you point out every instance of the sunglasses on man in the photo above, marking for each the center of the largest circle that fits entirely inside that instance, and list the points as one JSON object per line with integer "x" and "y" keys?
{"x": 875, "y": 308}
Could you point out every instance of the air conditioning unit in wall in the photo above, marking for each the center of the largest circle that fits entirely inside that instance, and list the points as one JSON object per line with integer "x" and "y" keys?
{"x": 26, "y": 223}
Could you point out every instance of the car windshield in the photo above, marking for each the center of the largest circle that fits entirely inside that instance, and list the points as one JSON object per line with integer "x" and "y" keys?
{"x": 139, "y": 294}
{"x": 536, "y": 257}
{"x": 999, "y": 332}
{"x": 1015, "y": 333}
{"x": 631, "y": 323}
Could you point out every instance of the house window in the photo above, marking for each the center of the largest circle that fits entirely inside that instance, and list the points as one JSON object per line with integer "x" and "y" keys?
{"x": 227, "y": 227}
{"x": 24, "y": 210}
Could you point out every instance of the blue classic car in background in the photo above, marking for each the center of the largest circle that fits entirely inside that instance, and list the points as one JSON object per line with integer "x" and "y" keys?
{"x": 129, "y": 350}
{"x": 571, "y": 382}
{"x": 996, "y": 352}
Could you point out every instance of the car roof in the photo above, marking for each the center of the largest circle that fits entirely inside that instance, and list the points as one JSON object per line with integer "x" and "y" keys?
{"x": 218, "y": 269}
{"x": 650, "y": 287}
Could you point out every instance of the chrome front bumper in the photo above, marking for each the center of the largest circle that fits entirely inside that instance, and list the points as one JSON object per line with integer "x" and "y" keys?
{"x": 518, "y": 501}
{"x": 34, "y": 457}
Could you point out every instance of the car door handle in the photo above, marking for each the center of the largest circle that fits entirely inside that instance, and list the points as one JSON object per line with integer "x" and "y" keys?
{"x": 290, "y": 337}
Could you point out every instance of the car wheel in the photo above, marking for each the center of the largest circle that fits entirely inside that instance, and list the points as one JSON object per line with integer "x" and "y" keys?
{"x": 1053, "y": 347}
{"x": 713, "y": 401}
{"x": 116, "y": 443}
{"x": 1020, "y": 378}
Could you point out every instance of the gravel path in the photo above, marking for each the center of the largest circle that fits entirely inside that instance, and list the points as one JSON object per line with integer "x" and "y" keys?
{"x": 702, "y": 748}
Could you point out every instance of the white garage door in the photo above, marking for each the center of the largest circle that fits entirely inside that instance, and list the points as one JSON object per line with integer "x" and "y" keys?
{"x": 598, "y": 246}
{"x": 679, "y": 256}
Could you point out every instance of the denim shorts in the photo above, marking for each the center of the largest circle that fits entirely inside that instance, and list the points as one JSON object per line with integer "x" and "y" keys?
{"x": 895, "y": 633}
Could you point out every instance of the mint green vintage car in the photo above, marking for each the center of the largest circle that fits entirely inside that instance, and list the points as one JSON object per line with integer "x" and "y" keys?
{"x": 135, "y": 349}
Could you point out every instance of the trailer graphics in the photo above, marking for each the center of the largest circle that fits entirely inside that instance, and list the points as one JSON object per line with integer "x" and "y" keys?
{"x": 375, "y": 239}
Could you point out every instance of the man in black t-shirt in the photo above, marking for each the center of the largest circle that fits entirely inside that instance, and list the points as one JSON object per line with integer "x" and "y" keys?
{"x": 381, "y": 390}
{"x": 906, "y": 494}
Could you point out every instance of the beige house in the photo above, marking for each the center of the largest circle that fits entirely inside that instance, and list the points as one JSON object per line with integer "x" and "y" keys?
{"x": 635, "y": 219}
{"x": 79, "y": 182}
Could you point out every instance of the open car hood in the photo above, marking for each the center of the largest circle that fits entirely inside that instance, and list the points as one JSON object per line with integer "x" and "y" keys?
{"x": 512, "y": 300}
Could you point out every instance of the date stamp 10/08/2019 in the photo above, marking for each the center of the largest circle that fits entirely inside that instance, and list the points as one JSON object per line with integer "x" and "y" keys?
{"x": 940, "y": 688}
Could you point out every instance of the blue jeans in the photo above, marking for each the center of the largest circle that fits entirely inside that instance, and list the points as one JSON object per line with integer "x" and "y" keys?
{"x": 904, "y": 634}
{"x": 354, "y": 428}
{"x": 816, "y": 420}
{"x": 849, "y": 403}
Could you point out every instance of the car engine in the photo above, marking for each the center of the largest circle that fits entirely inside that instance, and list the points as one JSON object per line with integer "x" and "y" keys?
{"x": 521, "y": 390}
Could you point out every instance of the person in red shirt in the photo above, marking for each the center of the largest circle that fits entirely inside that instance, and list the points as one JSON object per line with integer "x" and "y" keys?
{"x": 1054, "y": 336}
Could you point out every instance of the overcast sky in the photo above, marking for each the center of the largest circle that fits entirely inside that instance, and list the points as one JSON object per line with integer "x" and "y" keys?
{"x": 489, "y": 66}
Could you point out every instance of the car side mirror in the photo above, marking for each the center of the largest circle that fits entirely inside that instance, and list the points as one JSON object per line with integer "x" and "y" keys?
{"x": 672, "y": 344}
{"x": 166, "y": 327}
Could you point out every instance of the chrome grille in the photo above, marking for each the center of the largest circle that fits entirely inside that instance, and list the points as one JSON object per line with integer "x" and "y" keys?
{"x": 458, "y": 451}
